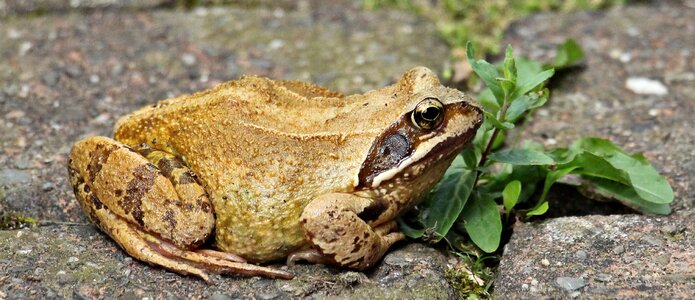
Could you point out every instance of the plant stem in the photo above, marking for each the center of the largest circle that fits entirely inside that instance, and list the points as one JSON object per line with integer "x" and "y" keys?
{"x": 488, "y": 148}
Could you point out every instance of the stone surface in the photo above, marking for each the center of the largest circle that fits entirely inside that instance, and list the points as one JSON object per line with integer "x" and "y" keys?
{"x": 658, "y": 262}
{"x": 69, "y": 72}
{"x": 80, "y": 262}
{"x": 618, "y": 256}
{"x": 65, "y": 76}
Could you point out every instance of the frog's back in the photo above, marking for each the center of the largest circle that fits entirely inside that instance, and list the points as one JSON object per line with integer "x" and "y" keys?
{"x": 263, "y": 149}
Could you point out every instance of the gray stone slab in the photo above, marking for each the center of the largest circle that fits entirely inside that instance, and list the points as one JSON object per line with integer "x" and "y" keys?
{"x": 67, "y": 76}
{"x": 624, "y": 257}
{"x": 81, "y": 262}
{"x": 636, "y": 88}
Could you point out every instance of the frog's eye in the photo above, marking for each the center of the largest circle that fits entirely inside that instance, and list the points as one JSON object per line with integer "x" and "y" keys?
{"x": 428, "y": 113}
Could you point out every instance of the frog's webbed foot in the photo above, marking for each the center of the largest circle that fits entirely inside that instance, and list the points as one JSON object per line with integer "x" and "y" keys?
{"x": 152, "y": 206}
{"x": 338, "y": 235}
{"x": 154, "y": 250}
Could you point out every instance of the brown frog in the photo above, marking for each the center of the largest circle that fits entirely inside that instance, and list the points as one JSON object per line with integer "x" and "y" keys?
{"x": 274, "y": 169}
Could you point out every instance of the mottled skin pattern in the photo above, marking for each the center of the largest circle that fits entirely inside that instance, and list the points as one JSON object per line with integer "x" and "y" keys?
{"x": 273, "y": 169}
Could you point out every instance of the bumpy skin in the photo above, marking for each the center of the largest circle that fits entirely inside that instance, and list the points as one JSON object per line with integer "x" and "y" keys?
{"x": 277, "y": 168}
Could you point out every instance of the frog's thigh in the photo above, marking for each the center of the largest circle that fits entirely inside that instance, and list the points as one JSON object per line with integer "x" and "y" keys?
{"x": 332, "y": 223}
{"x": 129, "y": 198}
{"x": 135, "y": 190}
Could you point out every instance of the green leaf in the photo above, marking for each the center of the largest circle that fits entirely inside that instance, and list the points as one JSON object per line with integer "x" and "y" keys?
{"x": 539, "y": 98}
{"x": 508, "y": 83}
{"x": 538, "y": 210}
{"x": 483, "y": 222}
{"x": 567, "y": 54}
{"x": 632, "y": 170}
{"x": 627, "y": 195}
{"x": 509, "y": 65}
{"x": 510, "y": 195}
{"x": 488, "y": 101}
{"x": 409, "y": 231}
{"x": 448, "y": 200}
{"x": 518, "y": 156}
{"x": 550, "y": 179}
{"x": 486, "y": 71}
{"x": 471, "y": 156}
{"x": 493, "y": 120}
{"x": 533, "y": 82}
{"x": 526, "y": 68}
{"x": 517, "y": 108}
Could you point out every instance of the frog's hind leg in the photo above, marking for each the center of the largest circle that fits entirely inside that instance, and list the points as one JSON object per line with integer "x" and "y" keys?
{"x": 156, "y": 213}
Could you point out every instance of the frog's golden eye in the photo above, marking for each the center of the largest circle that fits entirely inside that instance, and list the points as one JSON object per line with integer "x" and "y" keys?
{"x": 428, "y": 113}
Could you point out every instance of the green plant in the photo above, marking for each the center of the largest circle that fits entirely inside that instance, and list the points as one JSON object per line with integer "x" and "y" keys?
{"x": 11, "y": 221}
{"x": 488, "y": 184}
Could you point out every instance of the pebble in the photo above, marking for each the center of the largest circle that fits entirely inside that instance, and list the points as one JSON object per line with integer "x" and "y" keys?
{"x": 391, "y": 277}
{"x": 656, "y": 242}
{"x": 602, "y": 277}
{"x": 669, "y": 229}
{"x": 50, "y": 78}
{"x": 94, "y": 78}
{"x": 618, "y": 249}
{"x": 73, "y": 71}
{"x": 646, "y": 86}
{"x": 581, "y": 254}
{"x": 570, "y": 283}
{"x": 545, "y": 262}
{"x": 188, "y": 59}
{"x": 663, "y": 259}
{"x": 64, "y": 278}
{"x": 47, "y": 186}
{"x": 395, "y": 259}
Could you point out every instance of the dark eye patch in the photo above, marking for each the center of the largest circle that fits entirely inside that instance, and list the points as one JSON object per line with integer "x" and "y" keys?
{"x": 393, "y": 149}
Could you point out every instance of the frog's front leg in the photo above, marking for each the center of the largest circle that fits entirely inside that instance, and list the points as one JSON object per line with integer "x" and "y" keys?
{"x": 151, "y": 206}
{"x": 334, "y": 226}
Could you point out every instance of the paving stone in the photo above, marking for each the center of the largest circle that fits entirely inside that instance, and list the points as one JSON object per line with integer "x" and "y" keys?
{"x": 634, "y": 87}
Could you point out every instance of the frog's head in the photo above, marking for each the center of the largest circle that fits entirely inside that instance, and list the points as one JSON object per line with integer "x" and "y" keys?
{"x": 434, "y": 124}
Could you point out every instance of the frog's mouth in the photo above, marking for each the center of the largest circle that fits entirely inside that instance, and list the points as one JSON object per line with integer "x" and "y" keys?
{"x": 422, "y": 149}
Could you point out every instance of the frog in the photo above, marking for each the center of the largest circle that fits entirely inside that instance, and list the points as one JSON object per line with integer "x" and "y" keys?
{"x": 255, "y": 171}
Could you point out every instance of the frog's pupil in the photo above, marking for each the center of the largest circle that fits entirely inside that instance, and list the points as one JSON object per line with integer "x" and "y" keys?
{"x": 431, "y": 113}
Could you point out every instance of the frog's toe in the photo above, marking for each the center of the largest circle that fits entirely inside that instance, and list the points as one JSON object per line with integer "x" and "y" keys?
{"x": 311, "y": 256}
{"x": 221, "y": 255}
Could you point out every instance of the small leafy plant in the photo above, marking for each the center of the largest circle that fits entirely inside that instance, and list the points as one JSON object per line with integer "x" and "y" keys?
{"x": 487, "y": 185}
